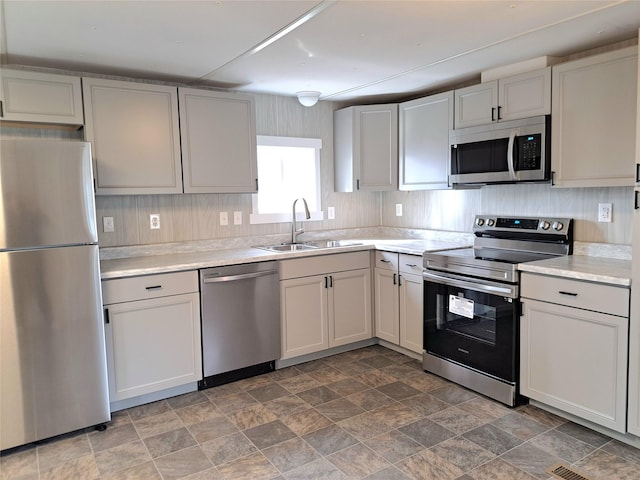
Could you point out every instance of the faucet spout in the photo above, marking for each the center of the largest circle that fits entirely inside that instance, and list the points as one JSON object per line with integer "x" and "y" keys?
{"x": 295, "y": 232}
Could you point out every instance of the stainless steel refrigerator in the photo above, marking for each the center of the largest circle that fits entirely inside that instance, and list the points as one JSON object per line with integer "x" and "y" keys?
{"x": 53, "y": 374}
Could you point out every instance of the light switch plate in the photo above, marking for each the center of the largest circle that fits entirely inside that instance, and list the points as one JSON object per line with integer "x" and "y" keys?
{"x": 398, "y": 209}
{"x": 331, "y": 213}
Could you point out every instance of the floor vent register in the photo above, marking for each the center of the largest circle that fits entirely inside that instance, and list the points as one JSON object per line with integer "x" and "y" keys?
{"x": 566, "y": 472}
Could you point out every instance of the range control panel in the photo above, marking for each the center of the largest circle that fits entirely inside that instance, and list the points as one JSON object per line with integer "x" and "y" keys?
{"x": 525, "y": 224}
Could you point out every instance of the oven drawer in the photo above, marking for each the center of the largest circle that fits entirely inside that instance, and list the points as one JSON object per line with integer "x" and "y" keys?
{"x": 575, "y": 293}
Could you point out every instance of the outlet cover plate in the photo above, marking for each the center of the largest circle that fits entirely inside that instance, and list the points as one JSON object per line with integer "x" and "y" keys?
{"x": 154, "y": 221}
{"x": 605, "y": 212}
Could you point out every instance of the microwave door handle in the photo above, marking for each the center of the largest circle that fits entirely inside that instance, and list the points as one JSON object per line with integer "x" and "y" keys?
{"x": 512, "y": 139}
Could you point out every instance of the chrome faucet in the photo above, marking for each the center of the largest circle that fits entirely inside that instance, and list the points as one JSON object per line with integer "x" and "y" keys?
{"x": 295, "y": 232}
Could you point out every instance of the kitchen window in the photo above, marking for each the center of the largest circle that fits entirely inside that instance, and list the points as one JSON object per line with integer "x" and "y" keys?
{"x": 288, "y": 168}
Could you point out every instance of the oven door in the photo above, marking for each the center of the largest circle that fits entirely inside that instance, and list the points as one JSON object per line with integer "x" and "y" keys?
{"x": 472, "y": 322}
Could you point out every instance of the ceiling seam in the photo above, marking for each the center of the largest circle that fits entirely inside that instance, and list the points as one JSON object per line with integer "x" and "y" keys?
{"x": 473, "y": 50}
{"x": 271, "y": 39}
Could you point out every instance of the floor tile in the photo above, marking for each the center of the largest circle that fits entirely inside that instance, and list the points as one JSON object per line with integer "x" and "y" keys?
{"x": 364, "y": 426}
{"x": 339, "y": 409}
{"x": 313, "y": 365}
{"x": 20, "y": 463}
{"x": 299, "y": 384}
{"x": 268, "y": 392}
{"x": 320, "y": 469}
{"x": 561, "y": 445}
{"x": 121, "y": 457}
{"x": 305, "y": 421}
{"x": 252, "y": 383}
{"x": 425, "y": 404}
{"x": 426, "y": 432}
{"x": 375, "y": 378}
{"x": 485, "y": 409}
{"x": 222, "y": 391}
{"x": 252, "y": 417}
{"x": 425, "y": 382}
{"x": 328, "y": 375}
{"x": 149, "y": 409}
{"x": 234, "y": 402}
{"x": 354, "y": 368}
{"x": 156, "y": 424}
{"x": 208, "y": 474}
{"x": 198, "y": 412}
{"x": 379, "y": 361}
{"x": 227, "y": 448}
{"x": 394, "y": 445}
{"x": 330, "y": 439}
{"x": 347, "y": 387}
{"x": 520, "y": 426}
{"x": 112, "y": 437}
{"x": 463, "y": 453}
{"x": 318, "y": 395}
{"x": 187, "y": 400}
{"x": 64, "y": 450}
{"x": 370, "y": 399}
{"x": 453, "y": 394}
{"x": 291, "y": 454}
{"x": 601, "y": 464}
{"x": 426, "y": 465}
{"x": 498, "y": 469}
{"x": 541, "y": 416}
{"x": 400, "y": 372}
{"x": 284, "y": 373}
{"x": 269, "y": 434}
{"x": 456, "y": 420}
{"x": 182, "y": 463}
{"x": 584, "y": 434}
{"x": 254, "y": 466}
{"x": 358, "y": 461}
{"x": 390, "y": 473}
{"x": 169, "y": 442}
{"x": 395, "y": 415}
{"x": 83, "y": 467}
{"x": 146, "y": 471}
{"x": 623, "y": 450}
{"x": 531, "y": 459}
{"x": 211, "y": 429}
{"x": 119, "y": 418}
{"x": 493, "y": 439}
{"x": 398, "y": 390}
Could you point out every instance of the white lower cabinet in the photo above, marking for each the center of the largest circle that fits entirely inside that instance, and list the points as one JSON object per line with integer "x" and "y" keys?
{"x": 398, "y": 290}
{"x": 325, "y": 302}
{"x": 152, "y": 333}
{"x": 574, "y": 347}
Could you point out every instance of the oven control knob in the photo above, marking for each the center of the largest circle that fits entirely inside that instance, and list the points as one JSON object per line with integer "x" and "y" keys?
{"x": 491, "y": 222}
{"x": 544, "y": 225}
{"x": 479, "y": 221}
{"x": 558, "y": 225}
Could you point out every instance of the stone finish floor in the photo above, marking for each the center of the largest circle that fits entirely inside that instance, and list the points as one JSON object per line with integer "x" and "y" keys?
{"x": 369, "y": 414}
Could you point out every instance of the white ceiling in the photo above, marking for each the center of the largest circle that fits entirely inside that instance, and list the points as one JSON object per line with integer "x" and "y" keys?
{"x": 347, "y": 50}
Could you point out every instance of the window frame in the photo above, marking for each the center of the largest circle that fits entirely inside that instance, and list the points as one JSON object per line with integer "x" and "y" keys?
{"x": 286, "y": 217}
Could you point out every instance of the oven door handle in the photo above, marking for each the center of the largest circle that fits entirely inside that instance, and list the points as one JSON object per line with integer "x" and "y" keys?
{"x": 487, "y": 287}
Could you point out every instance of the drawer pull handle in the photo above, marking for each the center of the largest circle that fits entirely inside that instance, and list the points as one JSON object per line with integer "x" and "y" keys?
{"x": 154, "y": 287}
{"x": 571, "y": 294}
{"x": 412, "y": 265}
{"x": 385, "y": 261}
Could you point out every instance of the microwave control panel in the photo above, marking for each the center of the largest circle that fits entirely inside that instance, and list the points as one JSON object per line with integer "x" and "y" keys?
{"x": 529, "y": 152}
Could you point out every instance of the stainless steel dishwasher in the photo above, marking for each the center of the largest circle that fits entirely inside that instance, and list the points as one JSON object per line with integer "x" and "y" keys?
{"x": 240, "y": 308}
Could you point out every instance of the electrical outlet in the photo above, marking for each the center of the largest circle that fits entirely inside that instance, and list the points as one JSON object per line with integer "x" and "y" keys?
{"x": 154, "y": 221}
{"x": 224, "y": 218}
{"x": 107, "y": 225}
{"x": 331, "y": 213}
{"x": 605, "y": 212}
{"x": 398, "y": 209}
{"x": 237, "y": 218}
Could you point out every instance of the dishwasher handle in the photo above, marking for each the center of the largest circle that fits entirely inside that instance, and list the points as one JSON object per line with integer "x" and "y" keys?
{"x": 242, "y": 276}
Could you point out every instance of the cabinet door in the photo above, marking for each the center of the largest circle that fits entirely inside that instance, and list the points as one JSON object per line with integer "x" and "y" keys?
{"x": 153, "y": 345}
{"x": 304, "y": 317}
{"x": 525, "y": 95}
{"x": 594, "y": 120}
{"x": 424, "y": 142}
{"x": 575, "y": 360}
{"x": 349, "y": 307}
{"x": 386, "y": 305}
{"x": 411, "y": 321}
{"x": 377, "y": 147}
{"x": 40, "y": 97}
{"x": 476, "y": 105}
{"x": 218, "y": 141}
{"x": 133, "y": 130}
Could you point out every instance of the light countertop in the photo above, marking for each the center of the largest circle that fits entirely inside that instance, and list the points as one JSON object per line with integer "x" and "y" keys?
{"x": 611, "y": 271}
{"x": 175, "y": 262}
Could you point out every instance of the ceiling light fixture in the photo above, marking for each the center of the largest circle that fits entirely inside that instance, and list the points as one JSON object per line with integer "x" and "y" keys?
{"x": 308, "y": 98}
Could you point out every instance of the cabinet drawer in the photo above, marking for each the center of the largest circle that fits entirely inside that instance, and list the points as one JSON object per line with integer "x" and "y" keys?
{"x": 410, "y": 264}
{"x": 387, "y": 260}
{"x": 323, "y": 264}
{"x": 575, "y": 293}
{"x": 149, "y": 286}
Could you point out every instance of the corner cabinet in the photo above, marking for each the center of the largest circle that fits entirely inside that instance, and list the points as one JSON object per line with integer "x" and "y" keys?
{"x": 424, "y": 142}
{"x": 518, "y": 96}
{"x": 135, "y": 137}
{"x": 398, "y": 288}
{"x": 40, "y": 98}
{"x": 366, "y": 148}
{"x": 573, "y": 347}
{"x": 325, "y": 302}
{"x": 218, "y": 138}
{"x": 152, "y": 333}
{"x": 593, "y": 130}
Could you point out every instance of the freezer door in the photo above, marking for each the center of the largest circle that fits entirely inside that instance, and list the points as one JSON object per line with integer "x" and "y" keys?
{"x": 53, "y": 376}
{"x": 46, "y": 193}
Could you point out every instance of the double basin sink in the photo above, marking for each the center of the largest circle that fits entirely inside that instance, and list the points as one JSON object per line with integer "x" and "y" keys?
{"x": 300, "y": 247}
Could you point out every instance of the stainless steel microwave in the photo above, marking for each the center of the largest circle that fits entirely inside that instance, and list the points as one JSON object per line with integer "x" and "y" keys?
{"x": 505, "y": 152}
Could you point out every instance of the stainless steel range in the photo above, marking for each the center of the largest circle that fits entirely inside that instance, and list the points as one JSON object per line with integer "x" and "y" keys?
{"x": 471, "y": 301}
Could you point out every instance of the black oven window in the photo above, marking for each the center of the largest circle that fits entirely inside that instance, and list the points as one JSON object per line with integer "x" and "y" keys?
{"x": 481, "y": 327}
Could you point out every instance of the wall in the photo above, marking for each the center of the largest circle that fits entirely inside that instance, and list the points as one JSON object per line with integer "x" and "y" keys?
{"x": 453, "y": 210}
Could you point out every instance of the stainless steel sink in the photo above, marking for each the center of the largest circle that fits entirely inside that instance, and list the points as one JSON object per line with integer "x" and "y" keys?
{"x": 299, "y": 247}
{"x": 287, "y": 247}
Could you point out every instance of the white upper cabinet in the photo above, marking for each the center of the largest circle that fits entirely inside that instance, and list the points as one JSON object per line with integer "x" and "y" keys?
{"x": 424, "y": 142}
{"x": 593, "y": 131}
{"x": 218, "y": 134}
{"x": 40, "y": 97}
{"x": 518, "y": 96}
{"x": 135, "y": 138}
{"x": 366, "y": 148}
